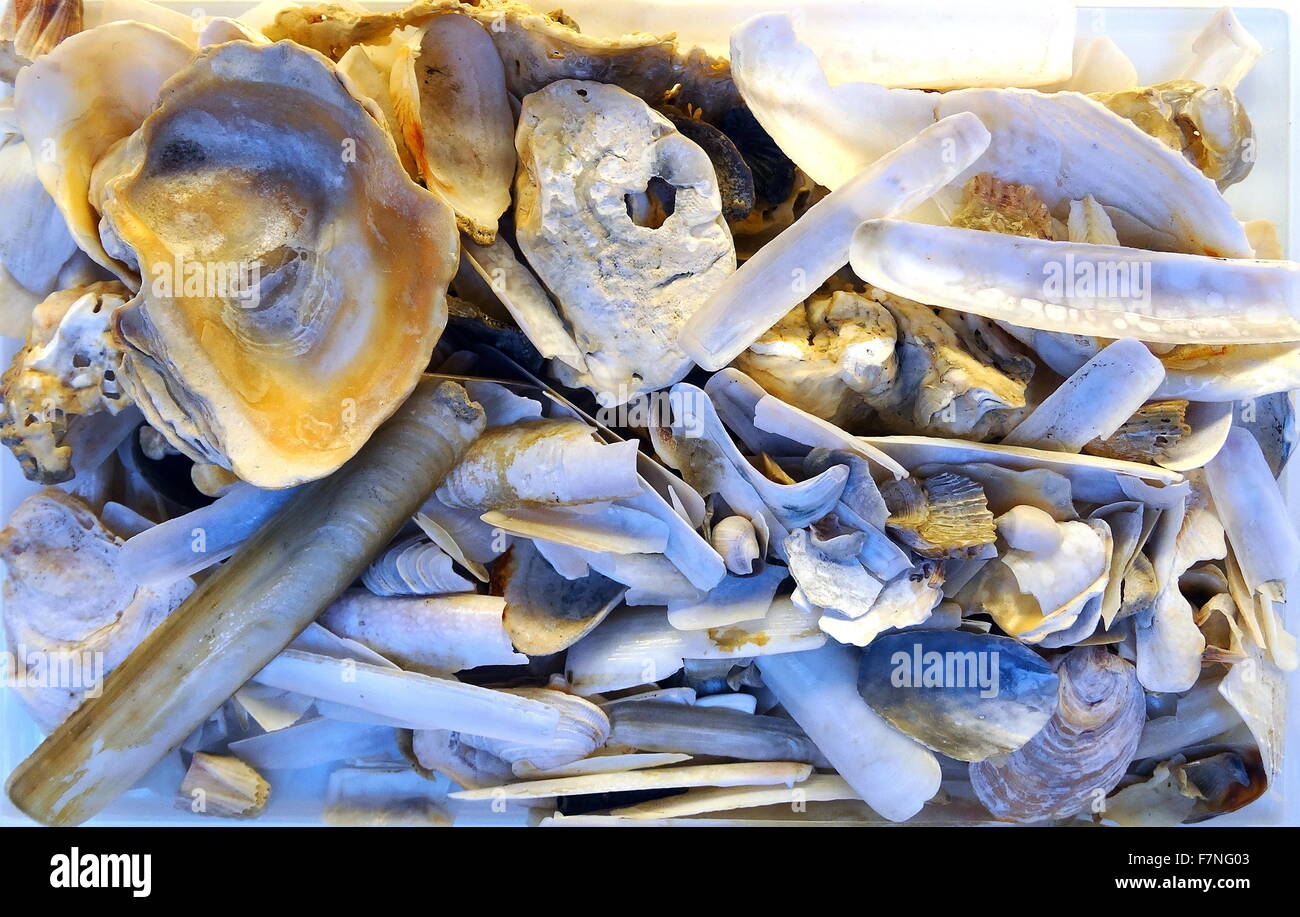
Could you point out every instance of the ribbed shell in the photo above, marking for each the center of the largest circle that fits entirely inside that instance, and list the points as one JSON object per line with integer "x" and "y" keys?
{"x": 414, "y": 566}
{"x": 1082, "y": 752}
{"x": 583, "y": 728}
{"x": 946, "y": 515}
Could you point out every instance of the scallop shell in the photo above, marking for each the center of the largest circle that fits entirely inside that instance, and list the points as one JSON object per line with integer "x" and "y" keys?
{"x": 343, "y": 248}
{"x": 1082, "y": 752}
{"x": 943, "y": 516}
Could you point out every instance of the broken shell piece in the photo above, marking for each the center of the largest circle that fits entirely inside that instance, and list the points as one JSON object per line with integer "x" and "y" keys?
{"x": 443, "y": 751}
{"x": 1223, "y": 53}
{"x": 892, "y": 772}
{"x": 1151, "y": 296}
{"x": 1207, "y": 124}
{"x": 30, "y": 29}
{"x": 556, "y": 462}
{"x": 1050, "y": 141}
{"x": 762, "y": 773}
{"x": 968, "y": 696}
{"x": 710, "y": 731}
{"x": 449, "y": 94}
{"x": 1253, "y": 510}
{"x": 224, "y": 787}
{"x": 1147, "y": 436}
{"x": 69, "y": 603}
{"x": 732, "y": 601}
{"x": 1094, "y": 401}
{"x": 817, "y": 788}
{"x": 638, "y": 646}
{"x": 370, "y": 70}
{"x": 1082, "y": 752}
{"x": 627, "y": 307}
{"x": 734, "y": 539}
{"x": 943, "y": 516}
{"x": 583, "y": 728}
{"x": 413, "y": 566}
{"x": 593, "y": 527}
{"x": 82, "y": 98}
{"x": 993, "y": 205}
{"x": 545, "y": 612}
{"x": 1217, "y": 779}
{"x": 830, "y": 574}
{"x": 209, "y": 479}
{"x": 313, "y": 742}
{"x": 601, "y": 764}
{"x": 383, "y": 794}
{"x": 433, "y": 634}
{"x": 279, "y": 393}
{"x": 817, "y": 245}
{"x": 63, "y": 378}
{"x": 908, "y": 600}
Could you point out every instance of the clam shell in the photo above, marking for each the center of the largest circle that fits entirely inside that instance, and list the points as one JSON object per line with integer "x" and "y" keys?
{"x": 1082, "y": 752}
{"x": 968, "y": 696}
{"x": 545, "y": 612}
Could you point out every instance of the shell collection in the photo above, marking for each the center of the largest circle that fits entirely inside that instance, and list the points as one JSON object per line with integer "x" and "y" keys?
{"x": 572, "y": 429}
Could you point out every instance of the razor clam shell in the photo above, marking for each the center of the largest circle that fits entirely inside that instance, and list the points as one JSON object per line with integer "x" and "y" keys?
{"x": 1202, "y": 714}
{"x": 735, "y": 599}
{"x": 958, "y": 715}
{"x": 638, "y": 646}
{"x": 1253, "y": 510}
{"x": 1093, "y": 479}
{"x": 611, "y": 528}
{"x": 892, "y": 772}
{"x": 445, "y": 633}
{"x": 761, "y": 291}
{"x": 817, "y": 788}
{"x": 774, "y": 415}
{"x": 1210, "y": 423}
{"x": 710, "y": 731}
{"x": 414, "y": 566}
{"x": 383, "y": 794}
{"x": 442, "y": 751}
{"x": 313, "y": 742}
{"x": 694, "y": 557}
{"x": 762, "y": 773}
{"x": 1064, "y": 145}
{"x": 599, "y": 764}
{"x": 735, "y": 397}
{"x": 1094, "y": 401}
{"x": 583, "y": 728}
{"x": 1175, "y": 298}
{"x": 1082, "y": 752}
{"x": 545, "y": 612}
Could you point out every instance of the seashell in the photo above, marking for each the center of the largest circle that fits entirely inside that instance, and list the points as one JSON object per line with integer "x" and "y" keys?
{"x": 1148, "y": 435}
{"x": 686, "y": 548}
{"x": 734, "y": 600}
{"x": 313, "y": 742}
{"x": 1094, "y": 402}
{"x": 1002, "y": 277}
{"x": 908, "y": 600}
{"x": 968, "y": 696}
{"x": 817, "y": 788}
{"x": 208, "y": 479}
{"x": 735, "y": 179}
{"x": 735, "y": 397}
{"x": 210, "y": 401}
{"x": 461, "y": 531}
{"x": 64, "y": 383}
{"x": 222, "y": 786}
{"x": 78, "y": 101}
{"x": 600, "y": 764}
{"x": 650, "y": 275}
{"x": 892, "y": 772}
{"x": 380, "y": 794}
{"x": 993, "y": 205}
{"x": 833, "y": 132}
{"x": 1199, "y": 783}
{"x": 1092, "y": 479}
{"x": 545, "y": 462}
{"x": 449, "y": 95}
{"x": 583, "y": 728}
{"x": 594, "y": 527}
{"x": 735, "y": 541}
{"x": 30, "y": 28}
{"x": 444, "y": 752}
{"x": 861, "y": 495}
{"x": 36, "y": 250}
{"x": 943, "y": 516}
{"x": 370, "y": 70}
{"x": 749, "y": 773}
{"x": 638, "y": 645}
{"x": 1253, "y": 511}
{"x": 1082, "y": 752}
{"x": 445, "y": 633}
{"x": 1206, "y": 123}
{"x": 830, "y": 574}
{"x": 775, "y": 416}
{"x": 413, "y": 566}
{"x": 545, "y": 612}
{"x": 816, "y": 247}
{"x": 66, "y": 597}
{"x": 1016, "y": 44}
{"x": 220, "y": 29}
{"x": 710, "y": 731}
{"x": 1005, "y": 488}
{"x": 1223, "y": 53}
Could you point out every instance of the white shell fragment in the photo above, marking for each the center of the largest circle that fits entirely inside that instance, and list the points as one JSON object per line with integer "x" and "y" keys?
{"x": 1104, "y": 290}
{"x": 817, "y": 788}
{"x": 892, "y": 772}
{"x": 785, "y": 271}
{"x": 1223, "y": 53}
{"x": 449, "y": 95}
{"x": 414, "y": 566}
{"x": 592, "y": 157}
{"x": 759, "y": 773}
{"x": 1094, "y": 401}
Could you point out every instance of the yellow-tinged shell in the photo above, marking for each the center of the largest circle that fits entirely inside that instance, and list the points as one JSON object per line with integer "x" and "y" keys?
{"x": 294, "y": 277}
{"x": 1146, "y": 436}
{"x": 994, "y": 205}
{"x": 224, "y": 787}
{"x": 942, "y": 516}
{"x": 30, "y": 28}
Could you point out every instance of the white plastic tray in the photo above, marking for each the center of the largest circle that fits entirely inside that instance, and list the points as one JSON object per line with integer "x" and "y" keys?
{"x": 1157, "y": 39}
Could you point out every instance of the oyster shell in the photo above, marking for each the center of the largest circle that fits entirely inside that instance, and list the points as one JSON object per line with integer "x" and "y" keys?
{"x": 449, "y": 96}
{"x": 590, "y": 156}
{"x": 1082, "y": 752}
{"x": 243, "y": 341}
{"x": 968, "y": 696}
{"x": 64, "y": 383}
{"x": 67, "y": 600}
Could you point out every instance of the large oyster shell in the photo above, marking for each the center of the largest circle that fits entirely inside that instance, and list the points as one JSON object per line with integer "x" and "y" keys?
{"x": 592, "y": 155}
{"x": 294, "y": 275}
{"x": 1082, "y": 752}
